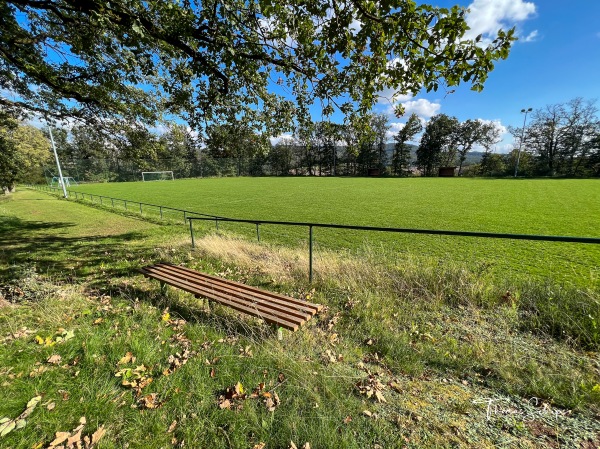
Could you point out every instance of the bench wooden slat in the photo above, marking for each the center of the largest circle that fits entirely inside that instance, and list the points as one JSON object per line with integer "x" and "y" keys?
{"x": 203, "y": 287}
{"x": 293, "y": 326}
{"x": 287, "y": 299}
{"x": 288, "y": 313}
{"x": 302, "y": 308}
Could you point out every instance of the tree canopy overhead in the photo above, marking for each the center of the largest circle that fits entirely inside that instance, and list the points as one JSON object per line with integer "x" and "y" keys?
{"x": 209, "y": 60}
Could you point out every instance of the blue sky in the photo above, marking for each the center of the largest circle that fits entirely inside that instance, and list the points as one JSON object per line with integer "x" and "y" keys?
{"x": 556, "y": 59}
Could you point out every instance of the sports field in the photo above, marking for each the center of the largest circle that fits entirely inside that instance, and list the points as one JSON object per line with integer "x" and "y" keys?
{"x": 548, "y": 207}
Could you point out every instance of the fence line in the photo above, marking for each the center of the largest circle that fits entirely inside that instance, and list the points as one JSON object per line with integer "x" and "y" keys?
{"x": 310, "y": 226}
{"x": 126, "y": 203}
{"x": 530, "y": 237}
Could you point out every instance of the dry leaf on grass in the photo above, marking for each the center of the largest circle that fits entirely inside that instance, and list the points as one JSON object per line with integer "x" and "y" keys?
{"x": 127, "y": 358}
{"x": 371, "y": 387}
{"x": 172, "y": 427}
{"x": 74, "y": 438}
{"x": 150, "y": 401}
{"x": 7, "y": 425}
{"x": 54, "y": 359}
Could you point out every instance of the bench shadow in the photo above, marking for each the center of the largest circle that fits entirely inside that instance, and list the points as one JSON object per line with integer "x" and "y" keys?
{"x": 217, "y": 316}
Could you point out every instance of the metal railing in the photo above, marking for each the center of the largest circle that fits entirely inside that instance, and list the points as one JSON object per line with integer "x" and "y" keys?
{"x": 310, "y": 226}
{"x": 128, "y": 205}
{"x": 191, "y": 216}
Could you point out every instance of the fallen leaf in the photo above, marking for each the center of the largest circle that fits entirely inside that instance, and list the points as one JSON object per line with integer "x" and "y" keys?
{"x": 39, "y": 340}
{"x": 127, "y": 358}
{"x": 225, "y": 403}
{"x": 51, "y": 406}
{"x": 37, "y": 371}
{"x": 172, "y": 427}
{"x": 54, "y": 359}
{"x": 6, "y": 426}
{"x": 65, "y": 394}
{"x": 98, "y": 434}
{"x": 380, "y": 397}
{"x": 98, "y": 321}
{"x": 259, "y": 446}
{"x": 367, "y": 413}
{"x": 347, "y": 419}
{"x": 292, "y": 445}
{"x": 60, "y": 437}
{"x": 150, "y": 401}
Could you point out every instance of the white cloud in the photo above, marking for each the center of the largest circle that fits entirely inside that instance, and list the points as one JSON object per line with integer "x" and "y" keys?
{"x": 394, "y": 128}
{"x": 502, "y": 130}
{"x": 486, "y": 17}
{"x": 531, "y": 37}
{"x": 422, "y": 107}
{"x": 283, "y": 137}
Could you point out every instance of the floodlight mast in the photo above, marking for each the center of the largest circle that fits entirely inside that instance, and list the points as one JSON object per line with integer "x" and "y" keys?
{"x": 523, "y": 111}
{"x": 62, "y": 181}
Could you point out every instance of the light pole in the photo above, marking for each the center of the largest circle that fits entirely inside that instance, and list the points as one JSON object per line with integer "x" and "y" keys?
{"x": 62, "y": 180}
{"x": 523, "y": 111}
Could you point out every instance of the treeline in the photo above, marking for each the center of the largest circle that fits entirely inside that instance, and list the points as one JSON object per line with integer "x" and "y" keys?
{"x": 558, "y": 140}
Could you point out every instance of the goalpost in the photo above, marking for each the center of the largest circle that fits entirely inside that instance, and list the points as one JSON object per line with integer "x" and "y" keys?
{"x": 69, "y": 181}
{"x": 157, "y": 176}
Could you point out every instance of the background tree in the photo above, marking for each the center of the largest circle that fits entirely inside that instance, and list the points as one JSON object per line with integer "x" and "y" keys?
{"x": 401, "y": 157}
{"x": 474, "y": 132}
{"x": 380, "y": 125}
{"x": 281, "y": 156}
{"x": 437, "y": 146}
{"x": 23, "y": 153}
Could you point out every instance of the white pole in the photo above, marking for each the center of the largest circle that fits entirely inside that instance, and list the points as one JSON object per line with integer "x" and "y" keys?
{"x": 62, "y": 181}
{"x": 525, "y": 111}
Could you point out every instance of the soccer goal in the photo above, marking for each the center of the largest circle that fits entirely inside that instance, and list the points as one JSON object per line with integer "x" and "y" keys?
{"x": 157, "y": 176}
{"x": 69, "y": 181}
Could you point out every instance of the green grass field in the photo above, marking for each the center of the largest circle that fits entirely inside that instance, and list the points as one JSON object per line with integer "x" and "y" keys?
{"x": 548, "y": 207}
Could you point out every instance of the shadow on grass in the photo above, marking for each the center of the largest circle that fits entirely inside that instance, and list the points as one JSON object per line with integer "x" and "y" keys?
{"x": 106, "y": 266}
{"x": 30, "y": 243}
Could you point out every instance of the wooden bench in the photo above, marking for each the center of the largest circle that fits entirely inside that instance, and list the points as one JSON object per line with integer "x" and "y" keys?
{"x": 282, "y": 311}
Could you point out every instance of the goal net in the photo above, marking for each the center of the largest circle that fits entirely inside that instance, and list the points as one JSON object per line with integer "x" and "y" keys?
{"x": 157, "y": 176}
{"x": 69, "y": 181}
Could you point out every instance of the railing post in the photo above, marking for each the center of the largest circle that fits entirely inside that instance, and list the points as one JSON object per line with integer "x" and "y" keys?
{"x": 101, "y": 200}
{"x": 310, "y": 254}
{"x": 112, "y": 201}
{"x": 217, "y": 223}
{"x": 140, "y": 208}
{"x": 160, "y": 207}
{"x": 192, "y": 232}
{"x": 184, "y": 216}
{"x": 125, "y": 204}
{"x": 257, "y": 232}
